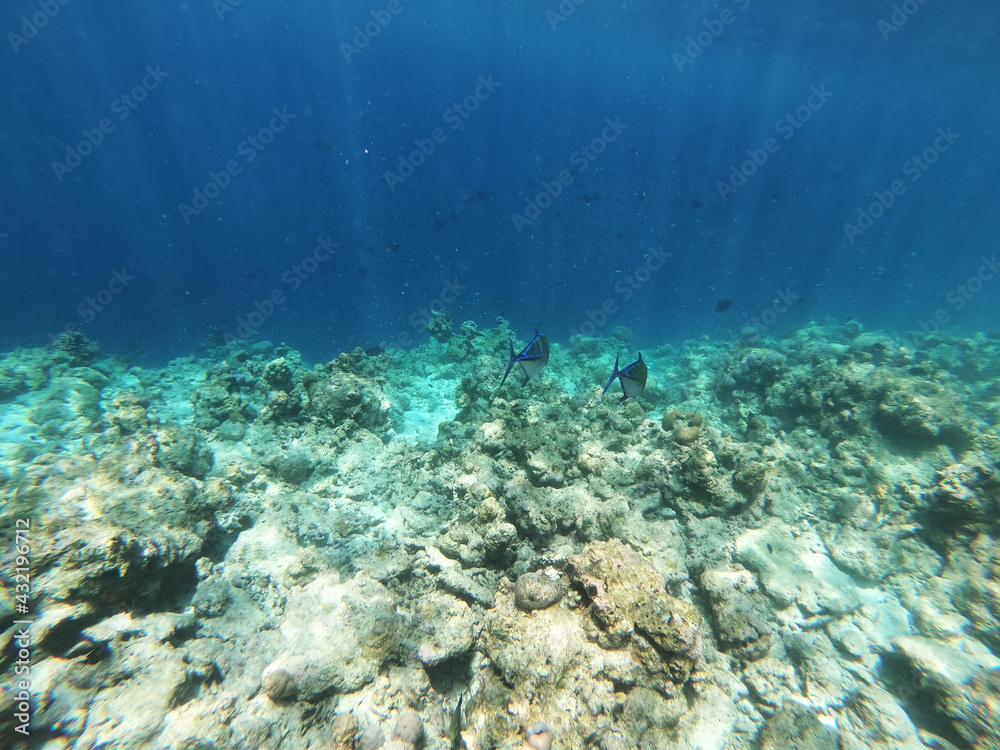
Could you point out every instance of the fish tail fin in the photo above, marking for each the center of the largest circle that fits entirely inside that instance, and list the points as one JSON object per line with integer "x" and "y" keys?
{"x": 510, "y": 366}
{"x": 614, "y": 375}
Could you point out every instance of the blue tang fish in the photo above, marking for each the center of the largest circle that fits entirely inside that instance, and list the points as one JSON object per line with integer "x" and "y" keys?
{"x": 632, "y": 378}
{"x": 532, "y": 358}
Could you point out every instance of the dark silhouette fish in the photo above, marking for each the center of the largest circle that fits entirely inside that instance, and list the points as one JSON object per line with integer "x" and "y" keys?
{"x": 722, "y": 305}
{"x": 532, "y": 358}
{"x": 632, "y": 378}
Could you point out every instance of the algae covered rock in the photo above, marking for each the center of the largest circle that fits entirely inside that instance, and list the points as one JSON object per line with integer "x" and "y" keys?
{"x": 446, "y": 628}
{"x": 567, "y": 663}
{"x": 232, "y": 430}
{"x": 797, "y": 728}
{"x": 965, "y": 495}
{"x": 214, "y": 405}
{"x": 120, "y": 529}
{"x": 741, "y": 614}
{"x": 627, "y": 599}
{"x": 344, "y": 731}
{"x": 12, "y": 382}
{"x": 648, "y": 717}
{"x": 818, "y": 665}
{"x": 278, "y": 384}
{"x": 183, "y": 449}
{"x": 706, "y": 485}
{"x": 960, "y": 681}
{"x": 750, "y": 477}
{"x": 213, "y": 594}
{"x": 872, "y": 719}
{"x": 338, "y": 635}
{"x": 754, "y": 369}
{"x": 920, "y": 420}
{"x": 345, "y": 400}
{"x": 980, "y": 586}
{"x": 70, "y": 406}
{"x": 907, "y": 418}
{"x": 294, "y": 465}
{"x": 128, "y": 412}
{"x": 126, "y": 690}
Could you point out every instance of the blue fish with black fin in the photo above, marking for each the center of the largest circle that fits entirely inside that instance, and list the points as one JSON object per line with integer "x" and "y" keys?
{"x": 532, "y": 358}
{"x": 632, "y": 378}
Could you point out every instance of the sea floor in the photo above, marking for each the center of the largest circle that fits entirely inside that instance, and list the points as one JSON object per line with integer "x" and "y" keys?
{"x": 782, "y": 542}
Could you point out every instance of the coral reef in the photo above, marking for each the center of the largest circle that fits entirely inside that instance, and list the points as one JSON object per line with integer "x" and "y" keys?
{"x": 782, "y": 542}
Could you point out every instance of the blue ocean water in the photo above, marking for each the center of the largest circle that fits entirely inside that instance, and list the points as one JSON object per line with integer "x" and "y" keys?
{"x": 324, "y": 174}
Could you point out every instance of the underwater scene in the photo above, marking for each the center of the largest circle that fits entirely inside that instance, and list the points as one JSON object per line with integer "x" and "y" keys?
{"x": 510, "y": 375}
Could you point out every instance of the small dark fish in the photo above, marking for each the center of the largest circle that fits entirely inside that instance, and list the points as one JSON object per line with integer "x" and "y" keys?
{"x": 455, "y": 727}
{"x": 723, "y": 304}
{"x": 632, "y": 378}
{"x": 532, "y": 358}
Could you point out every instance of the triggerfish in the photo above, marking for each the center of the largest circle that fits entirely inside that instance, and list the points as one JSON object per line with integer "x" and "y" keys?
{"x": 532, "y": 358}
{"x": 632, "y": 378}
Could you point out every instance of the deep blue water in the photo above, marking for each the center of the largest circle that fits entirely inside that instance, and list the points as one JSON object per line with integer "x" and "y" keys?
{"x": 511, "y": 96}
